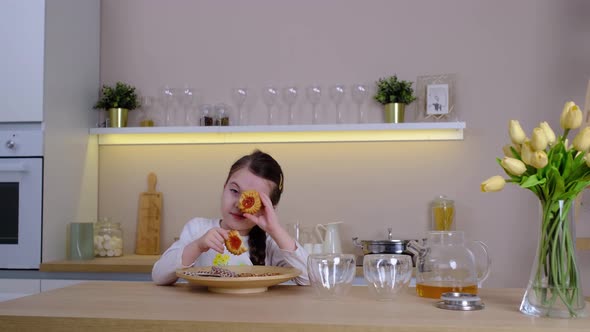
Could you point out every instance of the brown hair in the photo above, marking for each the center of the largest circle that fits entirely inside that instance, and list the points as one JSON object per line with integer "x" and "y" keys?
{"x": 263, "y": 165}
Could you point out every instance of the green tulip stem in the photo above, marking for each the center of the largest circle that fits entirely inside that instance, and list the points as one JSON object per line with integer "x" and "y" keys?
{"x": 556, "y": 260}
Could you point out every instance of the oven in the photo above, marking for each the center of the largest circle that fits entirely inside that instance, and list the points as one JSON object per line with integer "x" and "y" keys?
{"x": 21, "y": 197}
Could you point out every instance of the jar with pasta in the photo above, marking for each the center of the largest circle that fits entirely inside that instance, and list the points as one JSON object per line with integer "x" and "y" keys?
{"x": 443, "y": 214}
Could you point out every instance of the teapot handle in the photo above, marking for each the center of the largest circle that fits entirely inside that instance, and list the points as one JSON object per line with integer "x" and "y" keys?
{"x": 488, "y": 262}
{"x": 318, "y": 229}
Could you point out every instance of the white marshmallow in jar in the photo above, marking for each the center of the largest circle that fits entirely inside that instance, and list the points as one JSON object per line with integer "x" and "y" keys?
{"x": 108, "y": 239}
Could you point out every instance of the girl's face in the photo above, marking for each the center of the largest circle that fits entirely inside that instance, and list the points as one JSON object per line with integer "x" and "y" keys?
{"x": 241, "y": 180}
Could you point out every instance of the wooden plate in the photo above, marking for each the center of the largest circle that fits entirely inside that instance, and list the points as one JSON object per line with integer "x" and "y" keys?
{"x": 238, "y": 285}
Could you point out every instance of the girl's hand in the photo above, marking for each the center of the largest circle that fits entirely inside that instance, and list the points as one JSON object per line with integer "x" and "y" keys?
{"x": 269, "y": 222}
{"x": 213, "y": 239}
{"x": 267, "y": 218}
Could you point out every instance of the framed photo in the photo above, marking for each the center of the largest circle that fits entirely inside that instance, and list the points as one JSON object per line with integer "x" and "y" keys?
{"x": 436, "y": 98}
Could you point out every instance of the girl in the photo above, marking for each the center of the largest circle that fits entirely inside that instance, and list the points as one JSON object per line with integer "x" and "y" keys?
{"x": 201, "y": 242}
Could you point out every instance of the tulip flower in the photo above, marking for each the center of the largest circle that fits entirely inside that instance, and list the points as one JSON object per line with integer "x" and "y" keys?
{"x": 517, "y": 135}
{"x": 508, "y": 152}
{"x": 538, "y": 139}
{"x": 548, "y": 132}
{"x": 571, "y": 117}
{"x": 539, "y": 159}
{"x": 495, "y": 183}
{"x": 582, "y": 140}
{"x": 526, "y": 153}
{"x": 513, "y": 166}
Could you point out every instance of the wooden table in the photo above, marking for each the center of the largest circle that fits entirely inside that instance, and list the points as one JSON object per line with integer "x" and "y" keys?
{"x": 125, "y": 264}
{"x": 125, "y": 306}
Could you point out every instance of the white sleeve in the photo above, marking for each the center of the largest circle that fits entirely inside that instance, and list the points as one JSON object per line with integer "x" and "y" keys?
{"x": 164, "y": 270}
{"x": 276, "y": 256}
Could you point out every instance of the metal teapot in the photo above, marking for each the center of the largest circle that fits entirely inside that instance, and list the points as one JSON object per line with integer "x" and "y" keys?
{"x": 446, "y": 264}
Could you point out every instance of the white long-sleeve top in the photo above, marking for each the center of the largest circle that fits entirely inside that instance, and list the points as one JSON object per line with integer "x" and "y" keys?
{"x": 164, "y": 270}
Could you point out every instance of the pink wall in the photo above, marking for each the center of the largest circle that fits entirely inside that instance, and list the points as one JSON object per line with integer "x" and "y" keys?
{"x": 513, "y": 59}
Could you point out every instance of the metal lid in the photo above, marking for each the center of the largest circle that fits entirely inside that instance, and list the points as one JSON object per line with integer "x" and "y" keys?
{"x": 460, "y": 301}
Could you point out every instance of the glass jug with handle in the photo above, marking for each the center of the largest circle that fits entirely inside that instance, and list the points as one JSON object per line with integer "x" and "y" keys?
{"x": 446, "y": 264}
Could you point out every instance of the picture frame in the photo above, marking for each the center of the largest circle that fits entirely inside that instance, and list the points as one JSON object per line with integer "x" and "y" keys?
{"x": 435, "y": 97}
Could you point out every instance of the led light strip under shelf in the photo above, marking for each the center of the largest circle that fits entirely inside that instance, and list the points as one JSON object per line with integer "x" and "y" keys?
{"x": 281, "y": 134}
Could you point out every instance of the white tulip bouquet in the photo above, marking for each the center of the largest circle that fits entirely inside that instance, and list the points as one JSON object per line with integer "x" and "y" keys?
{"x": 556, "y": 173}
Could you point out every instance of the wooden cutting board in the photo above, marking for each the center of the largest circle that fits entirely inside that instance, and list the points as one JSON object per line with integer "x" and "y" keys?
{"x": 149, "y": 216}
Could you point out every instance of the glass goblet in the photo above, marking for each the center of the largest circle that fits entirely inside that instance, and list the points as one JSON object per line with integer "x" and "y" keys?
{"x": 270, "y": 95}
{"x": 290, "y": 97}
{"x": 239, "y": 96}
{"x": 314, "y": 96}
{"x": 359, "y": 94}
{"x": 337, "y": 95}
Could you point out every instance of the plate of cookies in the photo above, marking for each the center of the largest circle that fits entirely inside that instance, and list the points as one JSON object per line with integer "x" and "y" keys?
{"x": 242, "y": 279}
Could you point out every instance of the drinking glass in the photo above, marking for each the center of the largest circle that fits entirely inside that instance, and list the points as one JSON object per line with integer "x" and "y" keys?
{"x": 337, "y": 95}
{"x": 270, "y": 96}
{"x": 239, "y": 96}
{"x": 331, "y": 275}
{"x": 387, "y": 274}
{"x": 290, "y": 97}
{"x": 314, "y": 94}
{"x": 359, "y": 94}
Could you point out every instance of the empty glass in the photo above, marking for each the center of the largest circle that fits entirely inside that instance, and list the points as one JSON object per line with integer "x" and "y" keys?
{"x": 387, "y": 274}
{"x": 290, "y": 97}
{"x": 359, "y": 94}
{"x": 314, "y": 94}
{"x": 270, "y": 96}
{"x": 239, "y": 96}
{"x": 331, "y": 275}
{"x": 337, "y": 95}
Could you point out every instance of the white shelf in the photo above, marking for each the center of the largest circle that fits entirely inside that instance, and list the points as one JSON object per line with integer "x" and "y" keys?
{"x": 373, "y": 132}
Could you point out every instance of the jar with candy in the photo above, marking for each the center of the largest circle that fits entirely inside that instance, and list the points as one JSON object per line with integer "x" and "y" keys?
{"x": 108, "y": 239}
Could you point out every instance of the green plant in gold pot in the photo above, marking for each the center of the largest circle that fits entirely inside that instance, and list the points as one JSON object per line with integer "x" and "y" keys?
{"x": 394, "y": 94}
{"x": 118, "y": 101}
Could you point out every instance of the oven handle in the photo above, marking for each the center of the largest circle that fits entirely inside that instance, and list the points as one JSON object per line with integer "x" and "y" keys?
{"x": 18, "y": 167}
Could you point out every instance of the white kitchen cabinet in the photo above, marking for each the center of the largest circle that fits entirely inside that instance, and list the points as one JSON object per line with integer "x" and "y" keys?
{"x": 22, "y": 30}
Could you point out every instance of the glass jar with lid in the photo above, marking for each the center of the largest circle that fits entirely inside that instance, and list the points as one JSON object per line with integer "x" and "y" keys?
{"x": 206, "y": 117}
{"x": 443, "y": 214}
{"x": 222, "y": 112}
{"x": 108, "y": 239}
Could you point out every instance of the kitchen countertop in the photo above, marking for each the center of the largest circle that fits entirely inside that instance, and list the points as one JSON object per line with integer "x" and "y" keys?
{"x": 125, "y": 264}
{"x": 101, "y": 305}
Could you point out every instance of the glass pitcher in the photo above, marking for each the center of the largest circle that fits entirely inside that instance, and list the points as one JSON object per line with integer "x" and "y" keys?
{"x": 446, "y": 264}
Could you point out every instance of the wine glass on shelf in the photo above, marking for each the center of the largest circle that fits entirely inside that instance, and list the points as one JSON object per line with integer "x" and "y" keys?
{"x": 187, "y": 101}
{"x": 337, "y": 95}
{"x": 167, "y": 101}
{"x": 270, "y": 95}
{"x": 239, "y": 96}
{"x": 314, "y": 96}
{"x": 290, "y": 97}
{"x": 359, "y": 94}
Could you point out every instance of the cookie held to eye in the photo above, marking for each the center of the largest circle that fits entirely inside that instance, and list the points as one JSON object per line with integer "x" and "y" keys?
{"x": 249, "y": 202}
{"x": 234, "y": 243}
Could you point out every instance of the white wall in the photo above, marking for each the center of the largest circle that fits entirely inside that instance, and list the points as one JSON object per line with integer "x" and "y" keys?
{"x": 70, "y": 86}
{"x": 513, "y": 59}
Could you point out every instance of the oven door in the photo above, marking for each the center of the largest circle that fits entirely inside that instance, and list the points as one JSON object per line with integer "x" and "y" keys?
{"x": 21, "y": 206}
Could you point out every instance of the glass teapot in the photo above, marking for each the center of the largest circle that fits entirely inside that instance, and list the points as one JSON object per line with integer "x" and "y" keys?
{"x": 446, "y": 264}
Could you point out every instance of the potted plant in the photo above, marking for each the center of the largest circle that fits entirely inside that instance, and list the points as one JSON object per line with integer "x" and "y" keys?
{"x": 118, "y": 101}
{"x": 395, "y": 95}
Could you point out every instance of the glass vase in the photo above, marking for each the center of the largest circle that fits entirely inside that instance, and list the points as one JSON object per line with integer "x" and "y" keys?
{"x": 554, "y": 288}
